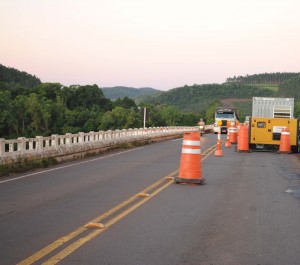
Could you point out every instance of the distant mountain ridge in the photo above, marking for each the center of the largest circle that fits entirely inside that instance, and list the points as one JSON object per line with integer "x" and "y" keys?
{"x": 116, "y": 92}
{"x": 195, "y": 98}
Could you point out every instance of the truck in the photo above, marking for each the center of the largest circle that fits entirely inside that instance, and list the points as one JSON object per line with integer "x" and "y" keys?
{"x": 269, "y": 117}
{"x": 224, "y": 117}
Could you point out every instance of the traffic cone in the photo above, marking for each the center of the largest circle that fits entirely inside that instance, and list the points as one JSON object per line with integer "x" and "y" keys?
{"x": 243, "y": 139}
{"x": 285, "y": 141}
{"x": 233, "y": 134}
{"x": 190, "y": 170}
{"x": 218, "y": 151}
{"x": 228, "y": 143}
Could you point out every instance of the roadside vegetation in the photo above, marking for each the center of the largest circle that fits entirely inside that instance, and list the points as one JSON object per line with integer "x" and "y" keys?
{"x": 24, "y": 165}
{"x": 30, "y": 108}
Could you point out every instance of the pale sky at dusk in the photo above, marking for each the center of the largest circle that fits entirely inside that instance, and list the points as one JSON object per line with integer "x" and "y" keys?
{"x": 149, "y": 43}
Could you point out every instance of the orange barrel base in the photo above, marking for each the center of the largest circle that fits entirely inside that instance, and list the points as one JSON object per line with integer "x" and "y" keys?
{"x": 218, "y": 153}
{"x": 194, "y": 181}
{"x": 190, "y": 170}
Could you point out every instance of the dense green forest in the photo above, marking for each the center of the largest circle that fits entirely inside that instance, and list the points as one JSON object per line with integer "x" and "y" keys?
{"x": 291, "y": 88}
{"x": 197, "y": 98}
{"x": 266, "y": 78}
{"x": 30, "y": 108}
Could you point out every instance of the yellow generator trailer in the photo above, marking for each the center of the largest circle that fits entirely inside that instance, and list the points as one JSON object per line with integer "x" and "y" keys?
{"x": 265, "y": 133}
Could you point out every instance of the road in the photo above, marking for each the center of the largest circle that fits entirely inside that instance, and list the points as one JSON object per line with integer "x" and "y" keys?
{"x": 248, "y": 212}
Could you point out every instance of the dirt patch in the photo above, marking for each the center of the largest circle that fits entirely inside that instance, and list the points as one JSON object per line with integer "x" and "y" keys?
{"x": 230, "y": 101}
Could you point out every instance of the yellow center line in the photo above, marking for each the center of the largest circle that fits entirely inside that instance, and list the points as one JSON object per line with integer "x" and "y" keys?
{"x": 71, "y": 248}
{"x": 51, "y": 247}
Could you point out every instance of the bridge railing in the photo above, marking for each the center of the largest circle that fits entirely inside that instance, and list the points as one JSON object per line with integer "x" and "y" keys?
{"x": 68, "y": 143}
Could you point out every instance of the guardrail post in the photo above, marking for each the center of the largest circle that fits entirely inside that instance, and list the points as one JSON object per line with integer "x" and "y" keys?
{"x": 81, "y": 137}
{"x": 22, "y": 144}
{"x": 54, "y": 141}
{"x": 101, "y": 136}
{"x": 39, "y": 143}
{"x": 2, "y": 146}
{"x": 92, "y": 136}
{"x": 68, "y": 139}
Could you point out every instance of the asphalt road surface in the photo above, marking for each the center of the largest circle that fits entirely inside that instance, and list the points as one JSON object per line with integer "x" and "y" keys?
{"x": 248, "y": 212}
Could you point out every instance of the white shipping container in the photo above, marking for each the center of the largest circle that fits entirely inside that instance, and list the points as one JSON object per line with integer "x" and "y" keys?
{"x": 273, "y": 107}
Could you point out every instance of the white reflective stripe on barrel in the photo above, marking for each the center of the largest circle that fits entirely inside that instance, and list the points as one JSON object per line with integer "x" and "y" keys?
{"x": 285, "y": 133}
{"x": 190, "y": 142}
{"x": 191, "y": 151}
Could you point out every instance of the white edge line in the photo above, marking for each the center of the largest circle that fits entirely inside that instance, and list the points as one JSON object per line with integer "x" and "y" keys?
{"x": 57, "y": 168}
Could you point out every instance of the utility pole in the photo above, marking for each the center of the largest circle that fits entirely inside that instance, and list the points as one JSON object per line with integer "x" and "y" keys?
{"x": 144, "y": 118}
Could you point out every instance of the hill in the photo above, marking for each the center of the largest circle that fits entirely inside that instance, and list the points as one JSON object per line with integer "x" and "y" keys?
{"x": 197, "y": 98}
{"x": 236, "y": 91}
{"x": 116, "y": 92}
{"x": 10, "y": 76}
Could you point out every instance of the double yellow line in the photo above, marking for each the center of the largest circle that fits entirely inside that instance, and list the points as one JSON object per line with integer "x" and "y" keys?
{"x": 123, "y": 208}
{"x": 161, "y": 184}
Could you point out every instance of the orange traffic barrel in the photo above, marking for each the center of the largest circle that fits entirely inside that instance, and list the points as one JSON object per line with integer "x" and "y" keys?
{"x": 233, "y": 134}
{"x": 243, "y": 139}
{"x": 285, "y": 141}
{"x": 190, "y": 170}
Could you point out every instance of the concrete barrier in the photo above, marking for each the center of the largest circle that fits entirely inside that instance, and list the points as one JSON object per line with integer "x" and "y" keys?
{"x": 70, "y": 146}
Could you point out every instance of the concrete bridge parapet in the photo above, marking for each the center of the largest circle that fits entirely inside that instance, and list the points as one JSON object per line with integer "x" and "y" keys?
{"x": 74, "y": 145}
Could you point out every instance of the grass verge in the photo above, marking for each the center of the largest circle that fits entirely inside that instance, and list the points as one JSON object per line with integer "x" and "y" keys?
{"x": 24, "y": 165}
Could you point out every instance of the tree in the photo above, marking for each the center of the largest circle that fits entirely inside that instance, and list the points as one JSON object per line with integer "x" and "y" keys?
{"x": 49, "y": 90}
{"x": 5, "y": 98}
{"x": 297, "y": 110}
{"x": 126, "y": 103}
{"x": 34, "y": 111}
{"x": 87, "y": 97}
{"x": 189, "y": 119}
{"x": 133, "y": 119}
{"x": 171, "y": 116}
{"x": 155, "y": 118}
{"x": 57, "y": 116}
{"x": 211, "y": 111}
{"x": 46, "y": 111}
{"x": 90, "y": 125}
{"x": 120, "y": 118}
{"x": 19, "y": 107}
{"x": 8, "y": 122}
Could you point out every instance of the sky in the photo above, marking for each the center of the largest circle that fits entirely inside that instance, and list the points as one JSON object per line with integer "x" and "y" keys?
{"x": 149, "y": 43}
